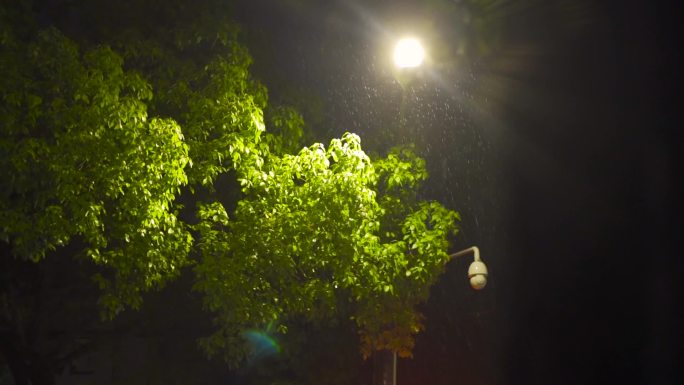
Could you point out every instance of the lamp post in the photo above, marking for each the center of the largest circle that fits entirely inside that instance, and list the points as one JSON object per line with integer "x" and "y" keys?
{"x": 477, "y": 274}
{"x": 408, "y": 56}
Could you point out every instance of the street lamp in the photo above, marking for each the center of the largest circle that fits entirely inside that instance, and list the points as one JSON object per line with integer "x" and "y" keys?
{"x": 409, "y": 54}
{"x": 477, "y": 274}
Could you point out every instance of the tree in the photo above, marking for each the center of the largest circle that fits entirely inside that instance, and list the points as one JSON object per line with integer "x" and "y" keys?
{"x": 83, "y": 163}
{"x": 86, "y": 174}
{"x": 307, "y": 235}
{"x": 99, "y": 169}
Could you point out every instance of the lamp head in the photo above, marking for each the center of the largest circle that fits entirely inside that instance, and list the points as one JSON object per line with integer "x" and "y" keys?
{"x": 408, "y": 53}
{"x": 477, "y": 273}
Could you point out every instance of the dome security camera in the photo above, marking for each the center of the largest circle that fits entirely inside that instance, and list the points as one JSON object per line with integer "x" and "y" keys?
{"x": 477, "y": 273}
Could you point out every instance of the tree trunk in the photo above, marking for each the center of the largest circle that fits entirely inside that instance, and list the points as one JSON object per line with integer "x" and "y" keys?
{"x": 27, "y": 367}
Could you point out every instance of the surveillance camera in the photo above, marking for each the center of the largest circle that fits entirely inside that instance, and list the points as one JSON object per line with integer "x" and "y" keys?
{"x": 477, "y": 273}
{"x": 478, "y": 282}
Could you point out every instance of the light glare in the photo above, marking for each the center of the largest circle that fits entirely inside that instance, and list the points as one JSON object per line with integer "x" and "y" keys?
{"x": 408, "y": 53}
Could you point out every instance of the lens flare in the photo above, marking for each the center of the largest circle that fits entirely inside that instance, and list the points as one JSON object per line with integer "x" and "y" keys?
{"x": 261, "y": 344}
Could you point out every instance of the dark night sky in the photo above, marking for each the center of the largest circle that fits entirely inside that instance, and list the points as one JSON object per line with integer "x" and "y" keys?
{"x": 558, "y": 149}
{"x": 557, "y": 145}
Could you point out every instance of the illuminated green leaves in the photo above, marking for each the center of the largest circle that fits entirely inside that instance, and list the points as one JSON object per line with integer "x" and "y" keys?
{"x": 82, "y": 160}
{"x": 307, "y": 235}
{"x": 317, "y": 233}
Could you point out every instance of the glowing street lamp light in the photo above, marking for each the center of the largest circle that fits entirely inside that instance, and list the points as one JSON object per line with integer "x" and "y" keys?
{"x": 408, "y": 53}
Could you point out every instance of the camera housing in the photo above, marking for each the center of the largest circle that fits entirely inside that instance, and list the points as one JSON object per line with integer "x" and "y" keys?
{"x": 477, "y": 274}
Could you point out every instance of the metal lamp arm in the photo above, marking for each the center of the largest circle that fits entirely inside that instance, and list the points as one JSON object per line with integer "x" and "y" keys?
{"x": 467, "y": 251}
